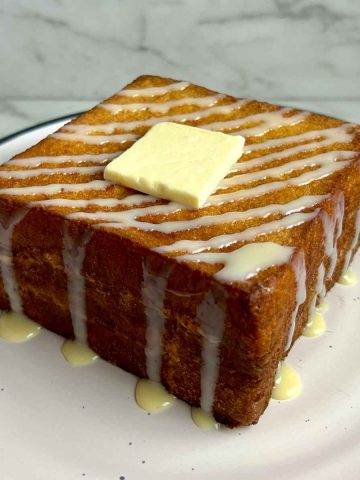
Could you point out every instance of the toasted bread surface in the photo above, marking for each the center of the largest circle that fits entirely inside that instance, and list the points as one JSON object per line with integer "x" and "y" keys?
{"x": 148, "y": 291}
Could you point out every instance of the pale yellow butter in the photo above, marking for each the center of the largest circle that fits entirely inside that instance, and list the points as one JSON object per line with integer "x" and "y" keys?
{"x": 177, "y": 162}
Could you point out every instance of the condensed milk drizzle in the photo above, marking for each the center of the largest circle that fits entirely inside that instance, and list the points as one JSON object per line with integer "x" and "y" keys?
{"x": 133, "y": 217}
{"x": 77, "y": 354}
{"x": 204, "y": 420}
{"x": 154, "y": 91}
{"x": 57, "y": 188}
{"x": 305, "y": 141}
{"x": 74, "y": 250}
{"x": 153, "y": 297}
{"x": 226, "y": 240}
{"x": 22, "y": 174}
{"x": 299, "y": 269}
{"x": 315, "y": 326}
{"x": 354, "y": 242}
{"x": 319, "y": 289}
{"x": 264, "y": 121}
{"x": 332, "y": 228}
{"x": 339, "y": 219}
{"x": 59, "y": 160}
{"x": 211, "y": 315}
{"x": 163, "y": 107}
{"x": 237, "y": 186}
{"x": 347, "y": 278}
{"x": 17, "y": 328}
{"x": 7, "y": 226}
{"x": 111, "y": 128}
{"x": 152, "y": 397}
{"x": 96, "y": 139}
{"x": 287, "y": 383}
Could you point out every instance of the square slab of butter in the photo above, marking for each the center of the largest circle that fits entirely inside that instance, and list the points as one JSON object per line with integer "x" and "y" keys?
{"x": 177, "y": 162}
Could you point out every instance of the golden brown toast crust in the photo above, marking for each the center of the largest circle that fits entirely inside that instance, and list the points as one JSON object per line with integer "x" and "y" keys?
{"x": 257, "y": 311}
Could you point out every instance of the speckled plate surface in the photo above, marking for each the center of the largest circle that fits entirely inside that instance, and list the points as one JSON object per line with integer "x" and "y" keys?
{"x": 59, "y": 422}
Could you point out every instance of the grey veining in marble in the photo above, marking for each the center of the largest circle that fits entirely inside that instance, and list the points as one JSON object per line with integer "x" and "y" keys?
{"x": 19, "y": 114}
{"x": 86, "y": 49}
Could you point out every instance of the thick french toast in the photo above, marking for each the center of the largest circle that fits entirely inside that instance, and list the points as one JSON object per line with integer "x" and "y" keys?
{"x": 145, "y": 282}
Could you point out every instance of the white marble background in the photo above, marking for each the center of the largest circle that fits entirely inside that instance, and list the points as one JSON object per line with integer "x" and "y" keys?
{"x": 59, "y": 56}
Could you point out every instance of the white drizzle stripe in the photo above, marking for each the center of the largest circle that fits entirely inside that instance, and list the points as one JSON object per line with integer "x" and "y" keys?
{"x": 153, "y": 294}
{"x": 154, "y": 91}
{"x": 319, "y": 289}
{"x": 128, "y": 218}
{"x": 266, "y": 121}
{"x": 326, "y": 136}
{"x": 339, "y": 219}
{"x": 299, "y": 269}
{"x": 322, "y": 159}
{"x": 74, "y": 250}
{"x": 211, "y": 316}
{"x": 329, "y": 136}
{"x": 23, "y": 174}
{"x": 95, "y": 139}
{"x": 130, "y": 200}
{"x": 328, "y": 232}
{"x": 332, "y": 231}
{"x": 263, "y": 189}
{"x": 244, "y": 164}
{"x": 132, "y": 218}
{"x": 353, "y": 243}
{"x": 216, "y": 199}
{"x": 110, "y": 128}
{"x": 162, "y": 107}
{"x": 244, "y": 262}
{"x": 170, "y": 208}
{"x": 317, "y": 160}
{"x": 35, "y": 162}
{"x": 221, "y": 241}
{"x": 321, "y": 283}
{"x": 260, "y": 130}
{"x": 238, "y": 265}
{"x": 56, "y": 188}
{"x": 6, "y": 259}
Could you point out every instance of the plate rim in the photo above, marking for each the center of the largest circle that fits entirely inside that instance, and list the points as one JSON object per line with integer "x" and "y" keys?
{"x": 23, "y": 131}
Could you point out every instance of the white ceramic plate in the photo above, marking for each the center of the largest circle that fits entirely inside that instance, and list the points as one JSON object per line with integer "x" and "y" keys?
{"x": 62, "y": 423}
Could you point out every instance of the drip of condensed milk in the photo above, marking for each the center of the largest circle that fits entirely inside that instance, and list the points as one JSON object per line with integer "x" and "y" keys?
{"x": 348, "y": 278}
{"x": 322, "y": 306}
{"x": 287, "y": 383}
{"x": 152, "y": 396}
{"x": 17, "y": 328}
{"x": 77, "y": 354}
{"x": 204, "y": 420}
{"x": 315, "y": 326}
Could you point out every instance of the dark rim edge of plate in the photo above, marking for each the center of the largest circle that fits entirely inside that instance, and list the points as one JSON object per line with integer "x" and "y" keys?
{"x": 18, "y": 133}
